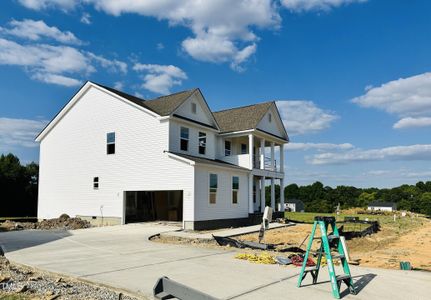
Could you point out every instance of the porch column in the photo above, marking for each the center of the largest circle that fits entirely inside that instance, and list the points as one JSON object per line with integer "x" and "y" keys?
{"x": 272, "y": 194}
{"x": 272, "y": 156}
{"x": 282, "y": 194}
{"x": 250, "y": 150}
{"x": 250, "y": 194}
{"x": 262, "y": 154}
{"x": 257, "y": 193}
{"x": 262, "y": 194}
{"x": 282, "y": 158}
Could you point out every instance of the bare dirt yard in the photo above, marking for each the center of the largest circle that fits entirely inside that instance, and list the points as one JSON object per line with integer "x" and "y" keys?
{"x": 407, "y": 239}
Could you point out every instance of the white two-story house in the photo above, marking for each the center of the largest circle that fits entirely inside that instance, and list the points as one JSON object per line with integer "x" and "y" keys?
{"x": 115, "y": 158}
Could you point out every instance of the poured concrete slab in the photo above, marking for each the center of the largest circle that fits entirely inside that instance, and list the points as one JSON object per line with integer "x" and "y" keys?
{"x": 123, "y": 257}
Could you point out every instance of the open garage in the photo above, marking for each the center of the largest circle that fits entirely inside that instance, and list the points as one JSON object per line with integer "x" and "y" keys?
{"x": 143, "y": 206}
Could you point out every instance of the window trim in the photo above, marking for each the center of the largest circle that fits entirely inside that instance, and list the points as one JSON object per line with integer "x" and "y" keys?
{"x": 227, "y": 152}
{"x": 234, "y": 190}
{"x": 110, "y": 143}
{"x": 202, "y": 135}
{"x": 185, "y": 139}
{"x": 210, "y": 189}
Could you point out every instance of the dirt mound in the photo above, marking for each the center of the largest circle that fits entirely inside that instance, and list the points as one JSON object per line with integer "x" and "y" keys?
{"x": 62, "y": 222}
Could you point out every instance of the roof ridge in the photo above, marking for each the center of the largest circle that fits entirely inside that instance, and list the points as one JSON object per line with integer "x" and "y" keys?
{"x": 160, "y": 97}
{"x": 111, "y": 88}
{"x": 239, "y": 107}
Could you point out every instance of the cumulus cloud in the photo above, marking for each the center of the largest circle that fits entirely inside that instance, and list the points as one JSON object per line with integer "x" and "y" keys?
{"x": 413, "y": 122}
{"x": 318, "y": 146}
{"x": 160, "y": 78}
{"x": 35, "y": 30}
{"x": 412, "y": 152}
{"x": 307, "y": 5}
{"x": 44, "y": 4}
{"x": 302, "y": 117}
{"x": 19, "y": 132}
{"x": 54, "y": 64}
{"x": 409, "y": 98}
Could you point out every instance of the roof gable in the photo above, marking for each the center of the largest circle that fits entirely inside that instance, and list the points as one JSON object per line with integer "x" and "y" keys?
{"x": 166, "y": 105}
{"x": 241, "y": 118}
{"x": 271, "y": 123}
{"x": 202, "y": 113}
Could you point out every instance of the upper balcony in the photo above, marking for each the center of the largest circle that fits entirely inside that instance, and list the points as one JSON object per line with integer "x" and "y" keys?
{"x": 253, "y": 151}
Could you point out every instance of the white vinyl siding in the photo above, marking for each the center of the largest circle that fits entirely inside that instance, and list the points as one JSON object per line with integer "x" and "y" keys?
{"x": 223, "y": 208}
{"x": 74, "y": 152}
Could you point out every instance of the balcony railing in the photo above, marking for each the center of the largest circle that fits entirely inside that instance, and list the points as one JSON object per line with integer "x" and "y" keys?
{"x": 267, "y": 163}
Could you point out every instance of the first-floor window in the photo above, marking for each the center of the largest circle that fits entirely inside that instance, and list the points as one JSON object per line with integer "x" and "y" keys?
{"x": 235, "y": 189}
{"x": 227, "y": 148}
{"x": 243, "y": 148}
{"x": 96, "y": 183}
{"x": 213, "y": 188}
{"x": 202, "y": 142}
{"x": 184, "y": 139}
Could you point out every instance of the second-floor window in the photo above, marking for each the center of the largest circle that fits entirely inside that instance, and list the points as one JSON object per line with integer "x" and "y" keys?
{"x": 243, "y": 148}
{"x": 96, "y": 183}
{"x": 202, "y": 142}
{"x": 227, "y": 148}
{"x": 184, "y": 139}
{"x": 110, "y": 143}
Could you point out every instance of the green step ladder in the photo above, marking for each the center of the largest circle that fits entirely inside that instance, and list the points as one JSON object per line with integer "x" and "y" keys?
{"x": 336, "y": 280}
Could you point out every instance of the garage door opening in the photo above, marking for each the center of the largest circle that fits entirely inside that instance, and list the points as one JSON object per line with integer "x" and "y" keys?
{"x": 144, "y": 206}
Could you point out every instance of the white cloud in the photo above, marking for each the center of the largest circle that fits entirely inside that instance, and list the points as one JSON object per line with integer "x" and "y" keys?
{"x": 413, "y": 122}
{"x": 86, "y": 18}
{"x": 160, "y": 46}
{"x": 44, "y": 4}
{"x": 409, "y": 98}
{"x": 19, "y": 132}
{"x": 307, "y": 5}
{"x": 55, "y": 64}
{"x": 160, "y": 78}
{"x": 35, "y": 30}
{"x": 56, "y": 79}
{"x": 302, "y": 117}
{"x": 318, "y": 146}
{"x": 223, "y": 30}
{"x": 412, "y": 152}
{"x": 118, "y": 85}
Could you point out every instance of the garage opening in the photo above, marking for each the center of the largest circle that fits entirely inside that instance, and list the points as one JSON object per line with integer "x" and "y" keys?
{"x": 144, "y": 206}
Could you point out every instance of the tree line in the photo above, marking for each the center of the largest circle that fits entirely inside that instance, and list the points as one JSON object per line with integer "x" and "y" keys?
{"x": 18, "y": 187}
{"x": 320, "y": 198}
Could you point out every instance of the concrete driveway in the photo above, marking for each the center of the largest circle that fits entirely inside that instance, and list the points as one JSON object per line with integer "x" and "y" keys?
{"x": 122, "y": 256}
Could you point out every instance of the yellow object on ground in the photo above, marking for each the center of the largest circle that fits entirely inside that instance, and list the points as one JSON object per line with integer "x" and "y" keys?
{"x": 263, "y": 258}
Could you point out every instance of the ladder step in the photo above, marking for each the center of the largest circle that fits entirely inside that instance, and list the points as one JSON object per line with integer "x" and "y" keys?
{"x": 332, "y": 237}
{"x": 310, "y": 269}
{"x": 341, "y": 256}
{"x": 342, "y": 277}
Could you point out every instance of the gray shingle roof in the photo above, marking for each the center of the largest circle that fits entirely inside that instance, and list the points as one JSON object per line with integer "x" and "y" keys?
{"x": 241, "y": 118}
{"x": 164, "y": 105}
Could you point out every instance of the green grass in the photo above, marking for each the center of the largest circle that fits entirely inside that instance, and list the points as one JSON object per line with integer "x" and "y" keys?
{"x": 400, "y": 225}
{"x": 12, "y": 297}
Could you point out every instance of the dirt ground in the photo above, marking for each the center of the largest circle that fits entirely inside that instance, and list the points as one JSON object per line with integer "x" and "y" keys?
{"x": 384, "y": 249}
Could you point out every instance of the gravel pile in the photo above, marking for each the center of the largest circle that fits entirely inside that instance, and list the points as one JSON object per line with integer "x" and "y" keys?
{"x": 38, "y": 285}
{"x": 62, "y": 222}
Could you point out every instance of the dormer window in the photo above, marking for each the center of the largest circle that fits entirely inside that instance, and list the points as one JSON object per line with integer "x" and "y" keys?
{"x": 269, "y": 118}
{"x": 193, "y": 107}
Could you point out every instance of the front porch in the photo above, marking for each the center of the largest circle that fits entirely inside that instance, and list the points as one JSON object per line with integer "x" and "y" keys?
{"x": 258, "y": 199}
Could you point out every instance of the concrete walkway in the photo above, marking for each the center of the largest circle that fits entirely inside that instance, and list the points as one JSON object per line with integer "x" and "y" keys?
{"x": 123, "y": 257}
{"x": 231, "y": 232}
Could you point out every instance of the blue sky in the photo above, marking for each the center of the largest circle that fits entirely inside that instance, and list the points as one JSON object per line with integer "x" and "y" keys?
{"x": 351, "y": 76}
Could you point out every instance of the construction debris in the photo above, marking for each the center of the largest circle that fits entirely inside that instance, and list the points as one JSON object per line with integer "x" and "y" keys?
{"x": 227, "y": 241}
{"x": 62, "y": 222}
{"x": 262, "y": 258}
